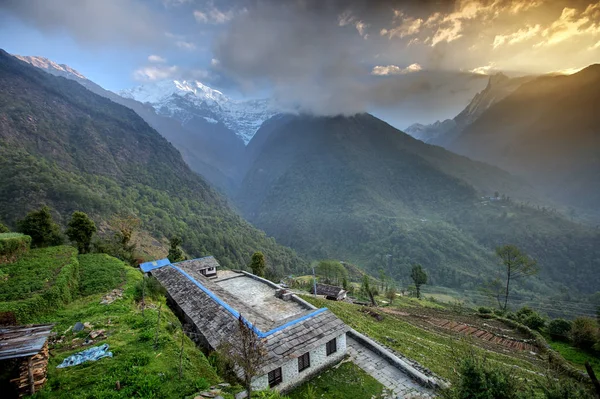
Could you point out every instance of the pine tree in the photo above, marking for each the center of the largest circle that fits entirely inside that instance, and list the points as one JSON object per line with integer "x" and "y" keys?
{"x": 419, "y": 277}
{"x": 258, "y": 264}
{"x": 175, "y": 253}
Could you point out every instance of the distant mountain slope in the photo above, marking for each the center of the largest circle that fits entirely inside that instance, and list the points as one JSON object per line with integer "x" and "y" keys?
{"x": 547, "y": 131}
{"x": 62, "y": 145}
{"x": 441, "y": 133}
{"x": 209, "y": 147}
{"x": 190, "y": 100}
{"x": 355, "y": 188}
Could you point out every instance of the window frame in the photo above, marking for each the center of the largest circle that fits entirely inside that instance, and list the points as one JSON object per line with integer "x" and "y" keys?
{"x": 304, "y": 362}
{"x": 277, "y": 379}
{"x": 328, "y": 346}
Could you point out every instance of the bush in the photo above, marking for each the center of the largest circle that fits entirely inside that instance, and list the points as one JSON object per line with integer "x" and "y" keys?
{"x": 484, "y": 310}
{"x": 13, "y": 245}
{"x": 149, "y": 287}
{"x": 535, "y": 321}
{"x": 584, "y": 332}
{"x": 479, "y": 380}
{"x": 559, "y": 329}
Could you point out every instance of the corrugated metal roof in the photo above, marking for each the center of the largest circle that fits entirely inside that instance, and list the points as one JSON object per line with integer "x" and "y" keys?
{"x": 22, "y": 341}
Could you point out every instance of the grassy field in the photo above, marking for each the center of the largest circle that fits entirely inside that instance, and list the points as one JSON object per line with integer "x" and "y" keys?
{"x": 34, "y": 272}
{"x": 99, "y": 273}
{"x": 576, "y": 356}
{"x": 437, "y": 352}
{"x": 342, "y": 382}
{"x": 138, "y": 367}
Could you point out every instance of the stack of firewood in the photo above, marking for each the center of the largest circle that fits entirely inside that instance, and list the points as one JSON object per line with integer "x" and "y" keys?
{"x": 32, "y": 373}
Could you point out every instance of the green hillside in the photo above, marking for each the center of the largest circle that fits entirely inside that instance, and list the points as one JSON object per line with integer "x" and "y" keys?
{"x": 64, "y": 146}
{"x": 357, "y": 189}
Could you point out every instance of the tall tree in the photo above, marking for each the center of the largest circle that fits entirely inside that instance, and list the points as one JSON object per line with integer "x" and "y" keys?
{"x": 331, "y": 271}
{"x": 80, "y": 231}
{"x": 247, "y": 352}
{"x": 175, "y": 252}
{"x": 419, "y": 278}
{"x": 258, "y": 264}
{"x": 41, "y": 227}
{"x": 517, "y": 265}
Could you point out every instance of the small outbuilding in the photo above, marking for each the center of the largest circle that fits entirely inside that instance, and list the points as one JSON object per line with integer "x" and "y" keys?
{"x": 26, "y": 349}
{"x": 330, "y": 292}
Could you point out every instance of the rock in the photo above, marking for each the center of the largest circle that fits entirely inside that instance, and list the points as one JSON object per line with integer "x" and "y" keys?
{"x": 207, "y": 394}
{"x": 97, "y": 333}
{"x": 88, "y": 325}
{"x": 78, "y": 327}
{"x": 224, "y": 385}
{"x": 241, "y": 395}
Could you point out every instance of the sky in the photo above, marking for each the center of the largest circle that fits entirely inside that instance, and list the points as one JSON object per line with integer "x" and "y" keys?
{"x": 407, "y": 61}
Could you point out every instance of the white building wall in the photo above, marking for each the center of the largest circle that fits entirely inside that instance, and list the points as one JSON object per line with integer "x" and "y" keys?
{"x": 318, "y": 360}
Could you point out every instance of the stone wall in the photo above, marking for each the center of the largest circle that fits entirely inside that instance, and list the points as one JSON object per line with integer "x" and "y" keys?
{"x": 318, "y": 361}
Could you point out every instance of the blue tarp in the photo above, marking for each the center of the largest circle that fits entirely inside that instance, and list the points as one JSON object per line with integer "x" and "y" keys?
{"x": 148, "y": 266}
{"x": 92, "y": 354}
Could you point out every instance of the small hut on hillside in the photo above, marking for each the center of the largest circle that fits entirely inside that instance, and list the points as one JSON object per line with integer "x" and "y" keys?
{"x": 26, "y": 349}
{"x": 330, "y": 292}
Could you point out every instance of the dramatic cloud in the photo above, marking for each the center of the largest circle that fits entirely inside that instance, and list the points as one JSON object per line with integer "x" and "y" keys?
{"x": 335, "y": 56}
{"x": 528, "y": 33}
{"x": 92, "y": 22}
{"x": 395, "y": 70}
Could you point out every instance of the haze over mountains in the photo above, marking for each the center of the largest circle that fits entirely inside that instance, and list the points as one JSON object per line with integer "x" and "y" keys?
{"x": 545, "y": 130}
{"x": 356, "y": 188}
{"x": 64, "y": 146}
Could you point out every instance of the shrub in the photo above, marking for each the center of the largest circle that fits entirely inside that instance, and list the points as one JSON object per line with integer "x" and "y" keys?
{"x": 535, "y": 321}
{"x": 525, "y": 312}
{"x": 584, "y": 332}
{"x": 559, "y": 329}
{"x": 484, "y": 310}
{"x": 41, "y": 227}
{"x": 479, "y": 380}
{"x": 13, "y": 245}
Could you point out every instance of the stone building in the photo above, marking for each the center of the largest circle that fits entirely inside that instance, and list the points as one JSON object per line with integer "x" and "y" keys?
{"x": 300, "y": 340}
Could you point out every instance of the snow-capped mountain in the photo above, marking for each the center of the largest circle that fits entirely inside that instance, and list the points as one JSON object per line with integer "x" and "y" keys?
{"x": 52, "y": 67}
{"x": 186, "y": 100}
{"x": 428, "y": 133}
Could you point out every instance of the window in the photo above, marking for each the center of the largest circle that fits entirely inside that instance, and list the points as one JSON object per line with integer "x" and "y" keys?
{"x": 331, "y": 347}
{"x": 304, "y": 362}
{"x": 275, "y": 377}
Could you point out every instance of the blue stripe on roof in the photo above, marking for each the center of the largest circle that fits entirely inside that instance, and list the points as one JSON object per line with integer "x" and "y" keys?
{"x": 291, "y": 323}
{"x": 148, "y": 266}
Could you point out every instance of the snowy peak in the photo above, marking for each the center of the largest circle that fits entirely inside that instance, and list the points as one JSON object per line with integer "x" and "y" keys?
{"x": 187, "y": 100}
{"x": 428, "y": 133}
{"x": 52, "y": 67}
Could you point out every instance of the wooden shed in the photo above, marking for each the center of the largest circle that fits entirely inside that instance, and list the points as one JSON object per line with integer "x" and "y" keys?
{"x": 330, "y": 292}
{"x": 28, "y": 346}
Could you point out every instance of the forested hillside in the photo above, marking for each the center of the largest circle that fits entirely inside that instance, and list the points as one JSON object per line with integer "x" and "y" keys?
{"x": 356, "y": 189}
{"x": 547, "y": 131}
{"x": 64, "y": 146}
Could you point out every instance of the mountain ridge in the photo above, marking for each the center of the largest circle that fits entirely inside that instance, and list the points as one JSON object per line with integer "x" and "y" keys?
{"x": 66, "y": 147}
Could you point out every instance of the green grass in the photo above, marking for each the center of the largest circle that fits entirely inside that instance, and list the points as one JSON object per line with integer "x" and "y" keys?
{"x": 435, "y": 351}
{"x": 577, "y": 357}
{"x": 99, "y": 273}
{"x": 141, "y": 370}
{"x": 345, "y": 381}
{"x": 34, "y": 272}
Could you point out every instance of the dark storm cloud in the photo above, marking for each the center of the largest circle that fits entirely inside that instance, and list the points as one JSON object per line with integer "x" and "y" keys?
{"x": 93, "y": 22}
{"x": 319, "y": 55}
